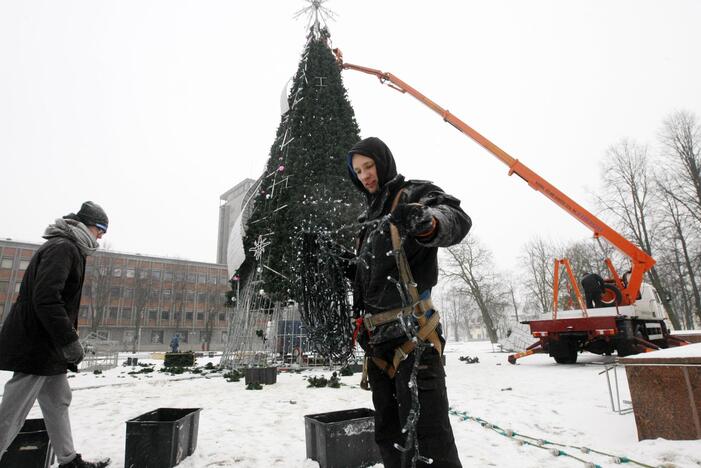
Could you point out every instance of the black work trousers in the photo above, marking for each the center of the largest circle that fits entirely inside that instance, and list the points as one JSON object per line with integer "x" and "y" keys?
{"x": 392, "y": 401}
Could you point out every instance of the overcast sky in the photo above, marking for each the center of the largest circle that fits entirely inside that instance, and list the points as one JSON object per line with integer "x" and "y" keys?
{"x": 155, "y": 108}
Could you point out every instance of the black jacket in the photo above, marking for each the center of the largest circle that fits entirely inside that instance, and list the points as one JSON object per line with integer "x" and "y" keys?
{"x": 45, "y": 316}
{"x": 373, "y": 292}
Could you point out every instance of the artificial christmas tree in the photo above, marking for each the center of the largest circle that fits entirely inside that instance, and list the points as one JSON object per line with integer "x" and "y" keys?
{"x": 304, "y": 186}
{"x": 304, "y": 190}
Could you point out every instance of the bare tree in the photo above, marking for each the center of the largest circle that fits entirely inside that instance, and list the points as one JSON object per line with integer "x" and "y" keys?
{"x": 215, "y": 300}
{"x": 681, "y": 237}
{"x": 628, "y": 197}
{"x": 453, "y": 311}
{"x": 143, "y": 287}
{"x": 681, "y": 141}
{"x": 178, "y": 295}
{"x": 539, "y": 263}
{"x": 98, "y": 288}
{"x": 471, "y": 266}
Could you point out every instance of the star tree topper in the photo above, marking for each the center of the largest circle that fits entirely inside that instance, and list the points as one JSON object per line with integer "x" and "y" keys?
{"x": 317, "y": 14}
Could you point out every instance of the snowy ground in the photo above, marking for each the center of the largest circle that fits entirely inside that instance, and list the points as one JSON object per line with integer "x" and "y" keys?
{"x": 563, "y": 404}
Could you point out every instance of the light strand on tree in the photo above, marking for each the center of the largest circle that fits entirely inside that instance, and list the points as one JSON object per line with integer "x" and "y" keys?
{"x": 325, "y": 305}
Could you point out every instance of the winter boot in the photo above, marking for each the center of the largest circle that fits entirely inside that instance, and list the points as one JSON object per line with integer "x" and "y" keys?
{"x": 78, "y": 462}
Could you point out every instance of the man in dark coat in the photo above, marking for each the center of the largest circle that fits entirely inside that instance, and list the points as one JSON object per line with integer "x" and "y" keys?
{"x": 39, "y": 341}
{"x": 426, "y": 218}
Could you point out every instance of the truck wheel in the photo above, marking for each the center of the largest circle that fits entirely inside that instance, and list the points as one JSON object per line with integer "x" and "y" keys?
{"x": 611, "y": 296}
{"x": 569, "y": 357}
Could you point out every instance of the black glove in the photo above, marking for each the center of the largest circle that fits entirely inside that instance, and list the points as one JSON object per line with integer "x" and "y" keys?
{"x": 412, "y": 219}
{"x": 73, "y": 352}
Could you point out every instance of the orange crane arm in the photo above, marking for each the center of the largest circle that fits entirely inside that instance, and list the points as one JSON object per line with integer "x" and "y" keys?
{"x": 641, "y": 262}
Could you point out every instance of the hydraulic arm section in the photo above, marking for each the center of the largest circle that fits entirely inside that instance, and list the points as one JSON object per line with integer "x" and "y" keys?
{"x": 640, "y": 261}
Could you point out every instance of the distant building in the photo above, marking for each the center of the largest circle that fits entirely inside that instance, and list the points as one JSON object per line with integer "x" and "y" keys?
{"x": 229, "y": 209}
{"x": 137, "y": 301}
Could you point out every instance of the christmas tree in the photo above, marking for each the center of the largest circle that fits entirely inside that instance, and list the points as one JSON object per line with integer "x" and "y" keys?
{"x": 304, "y": 186}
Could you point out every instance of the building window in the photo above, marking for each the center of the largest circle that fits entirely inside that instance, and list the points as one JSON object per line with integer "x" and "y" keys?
{"x": 152, "y": 314}
{"x": 166, "y": 293}
{"x": 6, "y": 263}
{"x": 4, "y": 286}
{"x": 188, "y": 316}
{"x": 222, "y": 317}
{"x": 201, "y": 297}
{"x": 17, "y": 286}
{"x": 224, "y": 336}
{"x": 202, "y": 279}
{"x": 128, "y": 293}
{"x": 168, "y": 276}
{"x": 115, "y": 291}
{"x": 165, "y": 315}
{"x": 126, "y": 314}
{"x": 156, "y": 274}
{"x": 191, "y": 277}
{"x": 213, "y": 280}
{"x": 200, "y": 316}
{"x": 130, "y": 273}
{"x": 23, "y": 264}
{"x": 84, "y": 311}
{"x": 117, "y": 272}
{"x": 190, "y": 296}
{"x": 114, "y": 312}
{"x": 143, "y": 274}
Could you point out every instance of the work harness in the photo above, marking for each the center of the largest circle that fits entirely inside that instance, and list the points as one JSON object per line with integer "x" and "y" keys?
{"x": 417, "y": 308}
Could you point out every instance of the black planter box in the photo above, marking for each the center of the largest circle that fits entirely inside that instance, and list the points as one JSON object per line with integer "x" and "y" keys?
{"x": 132, "y": 361}
{"x": 31, "y": 448}
{"x": 342, "y": 439}
{"x": 179, "y": 359}
{"x": 260, "y": 375}
{"x": 161, "y": 438}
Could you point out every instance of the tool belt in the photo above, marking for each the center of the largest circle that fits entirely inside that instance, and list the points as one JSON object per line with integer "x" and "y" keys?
{"x": 418, "y": 308}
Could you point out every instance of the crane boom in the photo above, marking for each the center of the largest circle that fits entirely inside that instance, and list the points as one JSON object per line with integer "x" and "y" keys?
{"x": 641, "y": 262}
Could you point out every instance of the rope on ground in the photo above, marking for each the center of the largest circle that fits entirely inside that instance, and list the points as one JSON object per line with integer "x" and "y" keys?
{"x": 546, "y": 444}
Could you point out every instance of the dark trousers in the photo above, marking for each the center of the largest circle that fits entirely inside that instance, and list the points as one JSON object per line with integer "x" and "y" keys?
{"x": 392, "y": 401}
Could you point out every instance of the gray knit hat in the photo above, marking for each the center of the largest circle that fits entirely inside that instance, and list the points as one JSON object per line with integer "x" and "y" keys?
{"x": 91, "y": 214}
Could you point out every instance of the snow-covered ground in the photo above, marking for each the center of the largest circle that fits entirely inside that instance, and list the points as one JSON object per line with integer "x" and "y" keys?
{"x": 562, "y": 404}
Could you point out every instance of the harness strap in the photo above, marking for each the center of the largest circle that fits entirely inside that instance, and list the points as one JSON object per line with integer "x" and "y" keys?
{"x": 372, "y": 321}
{"x": 427, "y": 327}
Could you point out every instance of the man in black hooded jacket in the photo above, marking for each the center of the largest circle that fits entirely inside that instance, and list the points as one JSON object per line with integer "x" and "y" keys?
{"x": 426, "y": 218}
{"x": 38, "y": 340}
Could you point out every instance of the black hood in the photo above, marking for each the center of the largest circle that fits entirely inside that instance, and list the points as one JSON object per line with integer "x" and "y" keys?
{"x": 377, "y": 150}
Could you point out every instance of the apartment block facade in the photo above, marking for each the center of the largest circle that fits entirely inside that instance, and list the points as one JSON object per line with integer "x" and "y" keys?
{"x": 137, "y": 302}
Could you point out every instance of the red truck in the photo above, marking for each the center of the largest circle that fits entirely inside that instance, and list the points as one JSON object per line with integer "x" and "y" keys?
{"x": 626, "y": 317}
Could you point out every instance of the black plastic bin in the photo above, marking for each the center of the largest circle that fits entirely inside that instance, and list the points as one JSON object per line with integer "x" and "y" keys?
{"x": 342, "y": 439}
{"x": 161, "y": 438}
{"x": 260, "y": 375}
{"x": 31, "y": 448}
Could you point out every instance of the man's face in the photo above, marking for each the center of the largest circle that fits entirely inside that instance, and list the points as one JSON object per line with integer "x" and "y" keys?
{"x": 366, "y": 170}
{"x": 97, "y": 232}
